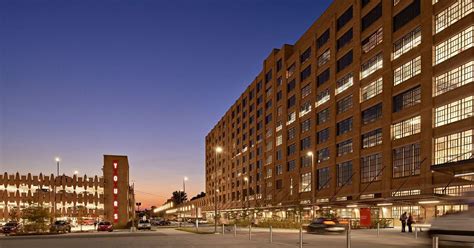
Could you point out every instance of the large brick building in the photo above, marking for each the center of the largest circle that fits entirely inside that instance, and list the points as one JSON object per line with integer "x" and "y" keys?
{"x": 371, "y": 107}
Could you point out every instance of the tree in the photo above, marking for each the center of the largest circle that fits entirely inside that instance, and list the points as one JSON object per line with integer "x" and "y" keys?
{"x": 37, "y": 218}
{"x": 179, "y": 197}
{"x": 14, "y": 214}
{"x": 200, "y": 195}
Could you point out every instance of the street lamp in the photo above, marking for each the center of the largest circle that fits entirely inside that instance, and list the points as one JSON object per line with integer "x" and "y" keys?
{"x": 57, "y": 159}
{"x": 184, "y": 185}
{"x": 313, "y": 188}
{"x": 246, "y": 180}
{"x": 76, "y": 172}
{"x": 216, "y": 190}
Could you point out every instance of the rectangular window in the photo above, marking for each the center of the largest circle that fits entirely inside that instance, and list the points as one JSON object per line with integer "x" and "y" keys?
{"x": 371, "y": 167}
{"x": 305, "y": 143}
{"x": 278, "y": 170}
{"x": 454, "y": 78}
{"x": 344, "y": 18}
{"x": 406, "y": 128}
{"x": 452, "y": 14}
{"x": 323, "y": 116}
{"x": 344, "y": 126}
{"x": 323, "y": 38}
{"x": 291, "y": 149}
{"x": 291, "y": 86}
{"x": 279, "y": 184}
{"x": 454, "y": 147}
{"x": 322, "y": 136}
{"x": 305, "y": 125}
{"x": 268, "y": 76}
{"x": 406, "y": 15}
{"x": 344, "y": 83}
{"x": 370, "y": 90}
{"x": 291, "y": 133}
{"x": 344, "y": 147}
{"x": 371, "y": 65}
{"x": 305, "y": 55}
{"x": 305, "y": 108}
{"x": 344, "y": 61}
{"x": 406, "y": 43}
{"x": 344, "y": 173}
{"x": 291, "y": 165}
{"x": 323, "y": 178}
{"x": 305, "y": 73}
{"x": 407, "y": 99}
{"x": 291, "y": 101}
{"x": 291, "y": 70}
{"x": 407, "y": 71}
{"x": 323, "y": 77}
{"x": 406, "y": 160}
{"x": 324, "y": 58}
{"x": 372, "y": 138}
{"x": 306, "y": 91}
{"x": 371, "y": 17}
{"x": 344, "y": 39}
{"x": 322, "y": 154}
{"x": 279, "y": 65}
{"x": 372, "y": 114}
{"x": 454, "y": 45}
{"x": 372, "y": 41}
{"x": 322, "y": 97}
{"x": 344, "y": 104}
{"x": 305, "y": 182}
{"x": 305, "y": 161}
{"x": 279, "y": 140}
{"x": 454, "y": 111}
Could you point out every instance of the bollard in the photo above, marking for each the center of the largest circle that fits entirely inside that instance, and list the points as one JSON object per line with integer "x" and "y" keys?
{"x": 250, "y": 232}
{"x": 235, "y": 230}
{"x": 223, "y": 229}
{"x": 301, "y": 237}
{"x": 197, "y": 225}
{"x": 378, "y": 229}
{"x": 435, "y": 241}
{"x": 416, "y": 232}
{"x": 271, "y": 235}
{"x": 348, "y": 235}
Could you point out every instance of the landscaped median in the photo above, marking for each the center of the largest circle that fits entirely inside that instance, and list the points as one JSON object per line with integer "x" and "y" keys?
{"x": 193, "y": 230}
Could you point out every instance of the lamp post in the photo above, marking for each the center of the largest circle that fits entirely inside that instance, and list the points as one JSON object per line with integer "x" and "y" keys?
{"x": 57, "y": 159}
{"x": 216, "y": 190}
{"x": 246, "y": 180}
{"x": 184, "y": 185}
{"x": 313, "y": 188}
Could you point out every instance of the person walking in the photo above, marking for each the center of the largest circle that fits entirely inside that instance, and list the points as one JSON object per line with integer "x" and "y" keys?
{"x": 409, "y": 222}
{"x": 403, "y": 219}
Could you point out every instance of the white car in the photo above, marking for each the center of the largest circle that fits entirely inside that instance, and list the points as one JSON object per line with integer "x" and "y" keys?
{"x": 144, "y": 225}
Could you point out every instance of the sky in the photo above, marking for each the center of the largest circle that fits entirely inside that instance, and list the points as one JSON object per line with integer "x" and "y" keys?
{"x": 142, "y": 78}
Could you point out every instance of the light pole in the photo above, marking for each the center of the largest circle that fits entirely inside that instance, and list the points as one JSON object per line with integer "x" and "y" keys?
{"x": 57, "y": 159}
{"x": 246, "y": 180}
{"x": 216, "y": 190}
{"x": 184, "y": 185}
{"x": 313, "y": 188}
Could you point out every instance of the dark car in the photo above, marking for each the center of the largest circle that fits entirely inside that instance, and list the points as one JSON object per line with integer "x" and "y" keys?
{"x": 323, "y": 225}
{"x": 163, "y": 223}
{"x": 105, "y": 226}
{"x": 12, "y": 227}
{"x": 60, "y": 226}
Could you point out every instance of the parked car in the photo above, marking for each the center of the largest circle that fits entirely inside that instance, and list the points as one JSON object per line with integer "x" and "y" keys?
{"x": 105, "y": 226}
{"x": 163, "y": 223}
{"x": 144, "y": 224}
{"x": 60, "y": 226}
{"x": 323, "y": 225}
{"x": 12, "y": 227}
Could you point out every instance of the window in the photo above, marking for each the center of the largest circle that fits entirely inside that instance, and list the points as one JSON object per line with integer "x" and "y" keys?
{"x": 344, "y": 83}
{"x": 372, "y": 114}
{"x": 344, "y": 173}
{"x": 291, "y": 149}
{"x": 407, "y": 71}
{"x": 454, "y": 78}
{"x": 323, "y": 116}
{"x": 344, "y": 61}
{"x": 406, "y": 160}
{"x": 305, "y": 73}
{"x": 324, "y": 58}
{"x": 344, "y": 18}
{"x": 452, "y": 14}
{"x": 279, "y": 65}
{"x": 363, "y": 3}
{"x": 344, "y": 104}
{"x": 372, "y": 41}
{"x": 323, "y": 178}
{"x": 279, "y": 81}
{"x": 291, "y": 133}
{"x": 268, "y": 76}
{"x": 278, "y": 170}
{"x": 305, "y": 108}
{"x": 406, "y": 128}
{"x": 305, "y": 91}
{"x": 305, "y": 143}
{"x": 454, "y": 147}
{"x": 305, "y": 182}
{"x": 454, "y": 111}
{"x": 305, "y": 125}
{"x": 407, "y": 99}
{"x": 291, "y": 70}
{"x": 406, "y": 43}
{"x": 406, "y": 15}
{"x": 322, "y": 97}
{"x": 268, "y": 118}
{"x": 305, "y": 161}
{"x": 291, "y": 118}
{"x": 322, "y": 154}
{"x": 279, "y": 140}
{"x": 371, "y": 65}
{"x": 322, "y": 136}
{"x": 371, "y": 17}
{"x": 370, "y": 90}
{"x": 323, "y": 77}
{"x": 344, "y": 126}
{"x": 279, "y": 154}
{"x": 344, "y": 39}
{"x": 291, "y": 101}
{"x": 323, "y": 38}
{"x": 372, "y": 138}
{"x": 305, "y": 55}
{"x": 371, "y": 167}
{"x": 291, "y": 86}
{"x": 279, "y": 184}
{"x": 344, "y": 147}
{"x": 291, "y": 165}
{"x": 454, "y": 45}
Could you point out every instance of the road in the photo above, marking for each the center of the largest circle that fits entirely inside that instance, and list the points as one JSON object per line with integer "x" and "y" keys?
{"x": 168, "y": 237}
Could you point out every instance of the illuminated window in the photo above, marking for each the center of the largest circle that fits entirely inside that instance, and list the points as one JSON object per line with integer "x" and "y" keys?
{"x": 371, "y": 65}
{"x": 406, "y": 43}
{"x": 454, "y": 111}
{"x": 454, "y": 45}
{"x": 454, "y": 147}
{"x": 324, "y": 58}
{"x": 305, "y": 182}
{"x": 291, "y": 118}
{"x": 372, "y": 89}
{"x": 344, "y": 83}
{"x": 407, "y": 71}
{"x": 371, "y": 167}
{"x": 406, "y": 160}
{"x": 454, "y": 78}
{"x": 372, "y": 138}
{"x": 279, "y": 140}
{"x": 322, "y": 97}
{"x": 452, "y": 14}
{"x": 372, "y": 41}
{"x": 305, "y": 108}
{"x": 406, "y": 128}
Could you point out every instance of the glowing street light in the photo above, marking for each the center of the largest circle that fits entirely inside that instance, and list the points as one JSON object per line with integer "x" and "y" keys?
{"x": 313, "y": 188}
{"x": 218, "y": 150}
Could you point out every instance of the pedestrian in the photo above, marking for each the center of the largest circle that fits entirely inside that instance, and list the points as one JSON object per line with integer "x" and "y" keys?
{"x": 409, "y": 222}
{"x": 403, "y": 219}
